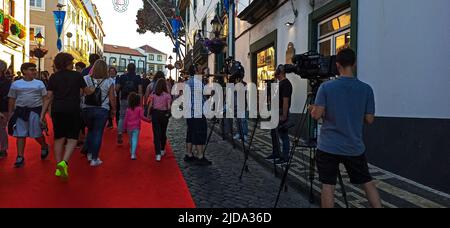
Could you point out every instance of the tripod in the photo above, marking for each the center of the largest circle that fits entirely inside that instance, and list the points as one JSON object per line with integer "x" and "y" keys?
{"x": 247, "y": 150}
{"x": 311, "y": 144}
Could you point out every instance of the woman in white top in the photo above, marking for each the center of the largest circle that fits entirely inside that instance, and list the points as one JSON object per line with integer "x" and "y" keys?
{"x": 96, "y": 109}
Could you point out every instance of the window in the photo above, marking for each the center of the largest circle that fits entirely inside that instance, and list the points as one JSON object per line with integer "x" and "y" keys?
{"x": 34, "y": 30}
{"x": 122, "y": 65}
{"x": 334, "y": 33}
{"x": 10, "y": 7}
{"x": 195, "y": 5}
{"x": 160, "y": 58}
{"x": 113, "y": 61}
{"x": 141, "y": 65}
{"x": 160, "y": 68}
{"x": 265, "y": 66}
{"x": 151, "y": 68}
{"x": 37, "y": 4}
{"x": 151, "y": 57}
{"x": 133, "y": 61}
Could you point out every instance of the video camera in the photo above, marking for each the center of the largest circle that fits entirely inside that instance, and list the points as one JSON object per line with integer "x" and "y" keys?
{"x": 234, "y": 69}
{"x": 313, "y": 66}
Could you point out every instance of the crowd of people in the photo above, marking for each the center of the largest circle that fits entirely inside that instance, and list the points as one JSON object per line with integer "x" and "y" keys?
{"x": 81, "y": 102}
{"x": 90, "y": 97}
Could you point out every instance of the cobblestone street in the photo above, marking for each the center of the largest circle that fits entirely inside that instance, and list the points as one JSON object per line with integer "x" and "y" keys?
{"x": 218, "y": 186}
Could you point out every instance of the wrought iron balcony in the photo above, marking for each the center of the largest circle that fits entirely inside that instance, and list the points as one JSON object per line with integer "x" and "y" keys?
{"x": 200, "y": 52}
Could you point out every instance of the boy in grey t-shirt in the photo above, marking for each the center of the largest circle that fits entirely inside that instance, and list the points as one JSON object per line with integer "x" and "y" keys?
{"x": 344, "y": 105}
{"x": 25, "y": 101}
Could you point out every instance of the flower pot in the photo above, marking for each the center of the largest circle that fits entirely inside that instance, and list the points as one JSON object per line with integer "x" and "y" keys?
{"x": 215, "y": 46}
{"x": 22, "y": 34}
{"x": 14, "y": 29}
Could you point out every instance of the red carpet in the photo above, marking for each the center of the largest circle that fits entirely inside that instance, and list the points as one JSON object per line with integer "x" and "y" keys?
{"x": 118, "y": 183}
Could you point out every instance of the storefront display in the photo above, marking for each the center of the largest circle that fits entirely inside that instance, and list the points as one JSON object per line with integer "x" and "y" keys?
{"x": 265, "y": 66}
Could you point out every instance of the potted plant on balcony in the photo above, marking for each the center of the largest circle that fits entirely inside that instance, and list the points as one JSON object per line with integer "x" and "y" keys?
{"x": 22, "y": 34}
{"x": 5, "y": 34}
{"x": 215, "y": 45}
{"x": 15, "y": 29}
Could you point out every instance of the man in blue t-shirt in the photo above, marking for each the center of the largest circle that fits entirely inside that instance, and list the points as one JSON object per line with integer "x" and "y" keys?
{"x": 344, "y": 105}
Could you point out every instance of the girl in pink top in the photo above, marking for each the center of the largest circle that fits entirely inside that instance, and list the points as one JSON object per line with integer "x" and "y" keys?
{"x": 159, "y": 107}
{"x": 132, "y": 121}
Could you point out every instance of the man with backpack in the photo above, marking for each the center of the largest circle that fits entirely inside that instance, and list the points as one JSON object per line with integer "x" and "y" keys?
{"x": 126, "y": 84}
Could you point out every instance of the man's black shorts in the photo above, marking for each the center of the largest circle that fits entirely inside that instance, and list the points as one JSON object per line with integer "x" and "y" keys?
{"x": 197, "y": 130}
{"x": 328, "y": 166}
{"x": 66, "y": 125}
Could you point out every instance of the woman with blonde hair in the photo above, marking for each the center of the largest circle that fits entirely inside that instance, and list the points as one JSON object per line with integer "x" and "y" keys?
{"x": 96, "y": 109}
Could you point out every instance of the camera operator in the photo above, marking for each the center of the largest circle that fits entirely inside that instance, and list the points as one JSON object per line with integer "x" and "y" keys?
{"x": 344, "y": 105}
{"x": 282, "y": 132}
{"x": 239, "y": 80}
{"x": 197, "y": 126}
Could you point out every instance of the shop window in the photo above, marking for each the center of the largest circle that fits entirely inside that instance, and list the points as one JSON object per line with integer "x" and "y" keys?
{"x": 334, "y": 33}
{"x": 265, "y": 66}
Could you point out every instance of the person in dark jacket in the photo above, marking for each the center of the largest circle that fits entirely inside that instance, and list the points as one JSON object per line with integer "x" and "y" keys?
{"x": 5, "y": 84}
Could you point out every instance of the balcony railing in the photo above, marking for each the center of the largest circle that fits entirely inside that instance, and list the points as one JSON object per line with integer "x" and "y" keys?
{"x": 200, "y": 52}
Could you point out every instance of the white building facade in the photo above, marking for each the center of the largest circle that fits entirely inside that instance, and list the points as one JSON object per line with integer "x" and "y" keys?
{"x": 156, "y": 60}
{"x": 403, "y": 56}
{"x": 119, "y": 57}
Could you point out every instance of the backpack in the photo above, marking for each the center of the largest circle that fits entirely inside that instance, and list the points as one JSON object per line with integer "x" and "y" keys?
{"x": 128, "y": 87}
{"x": 95, "y": 99}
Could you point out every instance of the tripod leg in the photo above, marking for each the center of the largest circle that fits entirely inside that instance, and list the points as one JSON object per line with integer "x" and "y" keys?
{"x": 210, "y": 135}
{"x": 312, "y": 171}
{"x": 245, "y": 166}
{"x": 344, "y": 192}
{"x": 244, "y": 148}
{"x": 293, "y": 149}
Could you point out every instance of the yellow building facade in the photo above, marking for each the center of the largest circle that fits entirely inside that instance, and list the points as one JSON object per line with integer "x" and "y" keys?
{"x": 14, "y": 26}
{"x": 82, "y": 31}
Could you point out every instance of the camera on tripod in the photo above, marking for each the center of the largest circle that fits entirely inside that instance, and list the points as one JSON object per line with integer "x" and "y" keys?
{"x": 234, "y": 69}
{"x": 313, "y": 66}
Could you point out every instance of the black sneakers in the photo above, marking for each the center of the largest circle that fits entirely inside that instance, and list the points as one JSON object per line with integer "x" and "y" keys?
{"x": 3, "y": 154}
{"x": 189, "y": 159}
{"x": 203, "y": 162}
{"x": 20, "y": 162}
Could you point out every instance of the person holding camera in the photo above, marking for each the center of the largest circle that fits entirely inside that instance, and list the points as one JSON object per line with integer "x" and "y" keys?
{"x": 26, "y": 98}
{"x": 282, "y": 132}
{"x": 344, "y": 105}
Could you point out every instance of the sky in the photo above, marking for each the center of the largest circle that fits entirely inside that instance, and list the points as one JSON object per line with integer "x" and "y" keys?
{"x": 120, "y": 28}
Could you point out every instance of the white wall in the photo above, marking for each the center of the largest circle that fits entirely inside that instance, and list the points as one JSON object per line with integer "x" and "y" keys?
{"x": 404, "y": 54}
{"x": 297, "y": 34}
{"x": 126, "y": 57}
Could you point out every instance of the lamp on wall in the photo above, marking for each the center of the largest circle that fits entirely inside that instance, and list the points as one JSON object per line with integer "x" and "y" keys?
{"x": 217, "y": 26}
{"x": 290, "y": 24}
